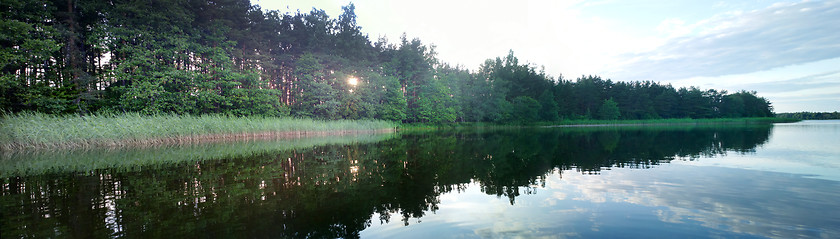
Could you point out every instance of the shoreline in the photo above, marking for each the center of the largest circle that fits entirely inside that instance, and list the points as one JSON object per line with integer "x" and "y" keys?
{"x": 185, "y": 140}
{"x": 605, "y": 123}
{"x": 41, "y": 161}
{"x": 36, "y": 131}
{"x": 655, "y": 124}
{"x": 45, "y": 132}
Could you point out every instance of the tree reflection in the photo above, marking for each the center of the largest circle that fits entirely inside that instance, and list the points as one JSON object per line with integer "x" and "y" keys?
{"x": 333, "y": 190}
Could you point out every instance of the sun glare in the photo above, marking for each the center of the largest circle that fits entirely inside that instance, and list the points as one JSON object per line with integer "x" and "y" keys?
{"x": 353, "y": 81}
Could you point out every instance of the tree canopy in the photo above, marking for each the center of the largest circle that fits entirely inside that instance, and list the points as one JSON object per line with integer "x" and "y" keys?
{"x": 232, "y": 57}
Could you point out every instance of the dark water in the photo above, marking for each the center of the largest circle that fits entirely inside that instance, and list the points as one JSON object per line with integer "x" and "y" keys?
{"x": 757, "y": 181}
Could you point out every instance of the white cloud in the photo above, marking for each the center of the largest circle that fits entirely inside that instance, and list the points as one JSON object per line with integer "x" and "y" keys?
{"x": 674, "y": 27}
{"x": 741, "y": 42}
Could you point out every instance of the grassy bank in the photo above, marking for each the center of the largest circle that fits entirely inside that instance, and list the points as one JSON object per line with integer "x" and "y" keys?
{"x": 33, "y": 130}
{"x": 124, "y": 159}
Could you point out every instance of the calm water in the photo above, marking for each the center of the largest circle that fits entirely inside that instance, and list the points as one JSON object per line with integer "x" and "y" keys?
{"x": 770, "y": 181}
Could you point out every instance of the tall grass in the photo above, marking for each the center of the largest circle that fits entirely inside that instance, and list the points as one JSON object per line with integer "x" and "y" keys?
{"x": 36, "y": 130}
{"x": 35, "y": 162}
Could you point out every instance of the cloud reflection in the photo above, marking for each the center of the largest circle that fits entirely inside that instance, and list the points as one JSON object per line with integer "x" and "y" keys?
{"x": 735, "y": 200}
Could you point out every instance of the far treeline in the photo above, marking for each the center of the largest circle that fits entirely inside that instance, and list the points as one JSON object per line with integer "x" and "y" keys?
{"x": 231, "y": 57}
{"x": 810, "y": 115}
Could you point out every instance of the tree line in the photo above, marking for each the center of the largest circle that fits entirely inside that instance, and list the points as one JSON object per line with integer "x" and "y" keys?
{"x": 232, "y": 57}
{"x": 810, "y": 115}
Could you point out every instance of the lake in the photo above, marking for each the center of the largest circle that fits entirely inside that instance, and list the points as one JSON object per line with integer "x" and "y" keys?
{"x": 730, "y": 181}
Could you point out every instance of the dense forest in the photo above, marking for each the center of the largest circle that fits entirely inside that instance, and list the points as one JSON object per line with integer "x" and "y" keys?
{"x": 232, "y": 57}
{"x": 810, "y": 115}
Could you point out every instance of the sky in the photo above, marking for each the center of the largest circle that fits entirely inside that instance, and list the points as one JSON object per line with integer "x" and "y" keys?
{"x": 787, "y": 51}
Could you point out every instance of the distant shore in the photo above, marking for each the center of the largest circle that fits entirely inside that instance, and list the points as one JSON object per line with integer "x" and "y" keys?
{"x": 606, "y": 123}
{"x": 655, "y": 122}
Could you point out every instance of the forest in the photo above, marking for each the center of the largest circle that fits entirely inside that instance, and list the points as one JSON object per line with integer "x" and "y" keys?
{"x": 231, "y": 57}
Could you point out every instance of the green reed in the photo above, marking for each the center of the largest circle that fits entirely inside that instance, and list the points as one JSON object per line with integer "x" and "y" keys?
{"x": 36, "y": 130}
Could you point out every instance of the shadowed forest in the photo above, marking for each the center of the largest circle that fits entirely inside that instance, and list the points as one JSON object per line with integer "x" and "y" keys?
{"x": 232, "y": 57}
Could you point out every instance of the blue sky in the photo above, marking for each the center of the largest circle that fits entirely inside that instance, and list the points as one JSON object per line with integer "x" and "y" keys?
{"x": 788, "y": 51}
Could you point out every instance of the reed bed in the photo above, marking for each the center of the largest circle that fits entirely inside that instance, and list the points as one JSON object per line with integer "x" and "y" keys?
{"x": 36, "y": 130}
{"x": 124, "y": 159}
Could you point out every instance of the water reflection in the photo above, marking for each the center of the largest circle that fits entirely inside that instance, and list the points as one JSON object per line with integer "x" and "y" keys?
{"x": 333, "y": 190}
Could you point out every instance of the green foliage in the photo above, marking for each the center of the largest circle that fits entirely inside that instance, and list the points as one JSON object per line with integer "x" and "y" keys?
{"x": 609, "y": 110}
{"x": 549, "y": 109}
{"x": 316, "y": 97}
{"x": 392, "y": 103}
{"x": 480, "y": 95}
{"x": 525, "y": 109}
{"x": 435, "y": 104}
{"x": 233, "y": 58}
{"x": 27, "y": 43}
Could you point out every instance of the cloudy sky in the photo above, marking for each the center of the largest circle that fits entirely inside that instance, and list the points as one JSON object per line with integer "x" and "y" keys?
{"x": 788, "y": 51}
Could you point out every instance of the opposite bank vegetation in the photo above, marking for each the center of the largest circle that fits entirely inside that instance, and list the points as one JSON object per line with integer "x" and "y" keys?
{"x": 234, "y": 58}
{"x": 176, "y": 71}
{"x": 43, "y": 131}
